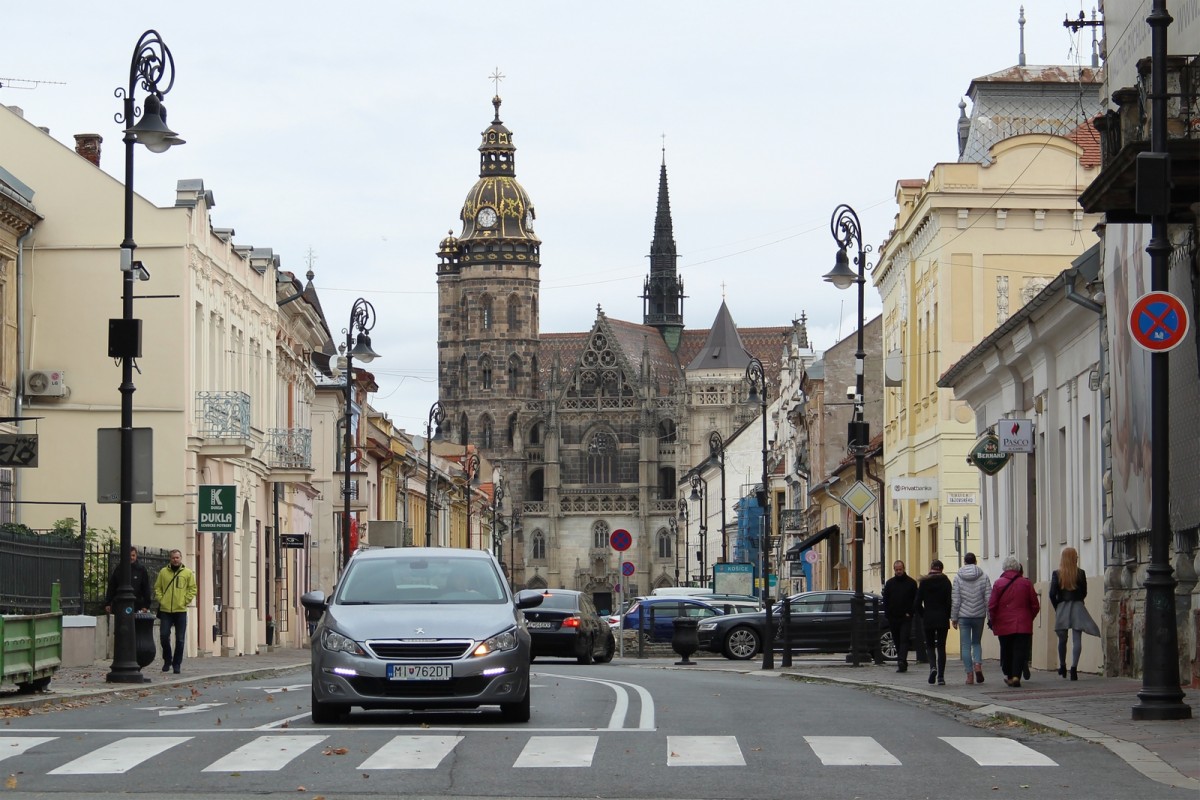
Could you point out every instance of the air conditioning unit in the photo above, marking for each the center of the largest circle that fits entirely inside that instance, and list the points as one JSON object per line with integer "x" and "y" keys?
{"x": 45, "y": 383}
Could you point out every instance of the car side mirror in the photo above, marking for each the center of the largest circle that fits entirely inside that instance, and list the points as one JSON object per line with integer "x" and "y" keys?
{"x": 529, "y": 599}
{"x": 314, "y": 602}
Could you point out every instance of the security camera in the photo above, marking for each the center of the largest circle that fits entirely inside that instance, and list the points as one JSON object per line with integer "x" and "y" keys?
{"x": 851, "y": 393}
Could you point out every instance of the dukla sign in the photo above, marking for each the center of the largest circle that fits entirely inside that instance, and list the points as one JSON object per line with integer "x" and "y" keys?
{"x": 218, "y": 509}
{"x": 986, "y": 455}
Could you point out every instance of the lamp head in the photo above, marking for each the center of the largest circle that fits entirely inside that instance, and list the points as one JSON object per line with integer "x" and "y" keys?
{"x": 695, "y": 491}
{"x": 841, "y": 275}
{"x": 753, "y": 398}
{"x": 362, "y": 349}
{"x": 151, "y": 130}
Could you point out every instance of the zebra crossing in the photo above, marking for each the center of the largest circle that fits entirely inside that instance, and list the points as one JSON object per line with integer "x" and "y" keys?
{"x": 429, "y": 751}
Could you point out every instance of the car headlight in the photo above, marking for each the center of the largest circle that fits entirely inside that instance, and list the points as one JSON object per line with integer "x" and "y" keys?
{"x": 332, "y": 640}
{"x": 708, "y": 626}
{"x": 498, "y": 643}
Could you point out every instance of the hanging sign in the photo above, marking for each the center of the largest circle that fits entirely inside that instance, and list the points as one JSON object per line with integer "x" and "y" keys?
{"x": 1016, "y": 435}
{"x": 986, "y": 455}
{"x": 217, "y": 509}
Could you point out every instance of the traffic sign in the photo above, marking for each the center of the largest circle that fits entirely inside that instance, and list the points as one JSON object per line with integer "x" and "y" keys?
{"x": 859, "y": 498}
{"x": 1159, "y": 321}
{"x": 627, "y": 568}
{"x": 620, "y": 540}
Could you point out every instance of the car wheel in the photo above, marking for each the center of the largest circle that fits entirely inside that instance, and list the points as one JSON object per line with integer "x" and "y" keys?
{"x": 327, "y": 713}
{"x": 518, "y": 711}
{"x": 610, "y": 647}
{"x": 887, "y": 646}
{"x": 741, "y": 644}
{"x": 587, "y": 656}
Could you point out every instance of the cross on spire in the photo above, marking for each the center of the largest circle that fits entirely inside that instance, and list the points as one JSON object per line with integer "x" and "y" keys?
{"x": 496, "y": 77}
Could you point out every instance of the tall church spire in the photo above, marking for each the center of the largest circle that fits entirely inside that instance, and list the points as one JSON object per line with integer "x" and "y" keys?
{"x": 663, "y": 291}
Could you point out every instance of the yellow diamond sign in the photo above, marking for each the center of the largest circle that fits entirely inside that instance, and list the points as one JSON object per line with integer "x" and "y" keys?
{"x": 859, "y": 498}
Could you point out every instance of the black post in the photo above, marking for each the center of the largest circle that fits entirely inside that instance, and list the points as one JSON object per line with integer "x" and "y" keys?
{"x": 786, "y": 659}
{"x": 437, "y": 413}
{"x": 362, "y": 319}
{"x": 497, "y": 504}
{"x": 515, "y": 517}
{"x": 471, "y": 465}
{"x": 757, "y": 379}
{"x": 673, "y": 525}
{"x": 716, "y": 447}
{"x": 1160, "y": 697}
{"x": 700, "y": 493}
{"x": 153, "y": 68}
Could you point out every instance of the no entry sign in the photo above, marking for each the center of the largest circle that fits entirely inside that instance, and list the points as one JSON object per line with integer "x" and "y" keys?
{"x": 1158, "y": 321}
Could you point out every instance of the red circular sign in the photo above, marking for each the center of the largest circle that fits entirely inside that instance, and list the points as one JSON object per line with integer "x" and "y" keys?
{"x": 1158, "y": 321}
{"x": 620, "y": 539}
{"x": 627, "y": 568}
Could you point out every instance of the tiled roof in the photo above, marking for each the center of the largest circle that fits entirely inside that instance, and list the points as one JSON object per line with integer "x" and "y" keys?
{"x": 1088, "y": 138}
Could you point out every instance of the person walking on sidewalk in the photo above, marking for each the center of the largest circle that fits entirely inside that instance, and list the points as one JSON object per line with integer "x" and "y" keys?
{"x": 1068, "y": 589}
{"x": 968, "y": 609}
{"x": 934, "y": 596}
{"x": 175, "y": 589}
{"x": 899, "y": 594}
{"x": 139, "y": 579}
{"x": 1011, "y": 611}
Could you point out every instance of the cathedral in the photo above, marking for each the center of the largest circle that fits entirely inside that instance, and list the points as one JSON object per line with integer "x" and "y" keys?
{"x": 593, "y": 431}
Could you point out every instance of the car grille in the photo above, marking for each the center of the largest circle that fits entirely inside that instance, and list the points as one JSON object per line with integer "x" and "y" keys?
{"x": 429, "y": 648}
{"x": 382, "y": 687}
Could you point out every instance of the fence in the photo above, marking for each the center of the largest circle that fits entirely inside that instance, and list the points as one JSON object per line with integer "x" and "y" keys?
{"x": 31, "y": 563}
{"x": 101, "y": 559}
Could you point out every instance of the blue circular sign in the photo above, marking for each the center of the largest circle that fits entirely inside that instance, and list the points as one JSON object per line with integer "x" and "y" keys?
{"x": 620, "y": 540}
{"x": 1158, "y": 321}
{"x": 626, "y": 568}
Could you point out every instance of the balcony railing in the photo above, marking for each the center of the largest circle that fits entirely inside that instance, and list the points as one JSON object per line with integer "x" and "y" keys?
{"x": 223, "y": 415}
{"x": 289, "y": 448}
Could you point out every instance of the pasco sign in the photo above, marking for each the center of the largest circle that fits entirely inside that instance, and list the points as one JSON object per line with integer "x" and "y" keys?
{"x": 1016, "y": 435}
{"x": 987, "y": 456}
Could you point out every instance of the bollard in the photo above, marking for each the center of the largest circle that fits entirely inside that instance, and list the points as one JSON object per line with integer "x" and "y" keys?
{"x": 686, "y": 639}
{"x": 143, "y": 626}
{"x": 786, "y": 660}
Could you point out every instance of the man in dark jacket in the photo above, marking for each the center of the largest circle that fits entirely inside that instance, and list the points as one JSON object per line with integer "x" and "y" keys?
{"x": 899, "y": 596}
{"x": 934, "y": 598}
{"x": 138, "y": 578}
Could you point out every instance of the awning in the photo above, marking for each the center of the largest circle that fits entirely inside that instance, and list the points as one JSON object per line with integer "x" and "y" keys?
{"x": 793, "y": 552}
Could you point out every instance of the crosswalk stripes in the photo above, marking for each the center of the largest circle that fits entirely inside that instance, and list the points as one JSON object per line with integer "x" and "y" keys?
{"x": 273, "y": 752}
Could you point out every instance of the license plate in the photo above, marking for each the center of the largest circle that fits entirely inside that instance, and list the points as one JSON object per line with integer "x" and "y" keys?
{"x": 540, "y": 624}
{"x": 420, "y": 672}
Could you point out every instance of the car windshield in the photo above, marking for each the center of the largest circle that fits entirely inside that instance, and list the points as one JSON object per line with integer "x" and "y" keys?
{"x": 427, "y": 580}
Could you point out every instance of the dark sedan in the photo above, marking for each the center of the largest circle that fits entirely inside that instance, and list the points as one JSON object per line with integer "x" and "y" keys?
{"x": 567, "y": 625}
{"x": 819, "y": 623}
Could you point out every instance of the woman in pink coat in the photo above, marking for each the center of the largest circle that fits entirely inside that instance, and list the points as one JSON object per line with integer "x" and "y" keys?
{"x": 1011, "y": 611}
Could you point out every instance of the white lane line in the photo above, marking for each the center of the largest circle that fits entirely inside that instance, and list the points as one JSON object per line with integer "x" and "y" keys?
{"x": 119, "y": 756}
{"x": 996, "y": 751}
{"x": 617, "y": 720}
{"x": 851, "y": 751}
{"x": 16, "y": 745}
{"x": 704, "y": 751}
{"x": 264, "y": 754}
{"x": 558, "y": 751}
{"x": 412, "y": 752}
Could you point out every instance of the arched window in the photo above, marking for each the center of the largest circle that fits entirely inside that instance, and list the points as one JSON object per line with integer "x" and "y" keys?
{"x": 514, "y": 372}
{"x": 665, "y": 544}
{"x": 462, "y": 373}
{"x": 464, "y": 429}
{"x": 666, "y": 431}
{"x": 601, "y": 456}
{"x": 485, "y": 432}
{"x": 533, "y": 374}
{"x": 514, "y": 313}
{"x": 537, "y": 544}
{"x": 600, "y": 534}
{"x": 512, "y": 429}
{"x": 485, "y": 372}
{"x": 535, "y": 432}
{"x": 666, "y": 483}
{"x": 485, "y": 304}
{"x": 537, "y": 486}
{"x": 533, "y": 312}
{"x": 462, "y": 311}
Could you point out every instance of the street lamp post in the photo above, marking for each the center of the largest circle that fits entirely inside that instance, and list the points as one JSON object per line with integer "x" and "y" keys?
{"x": 757, "y": 379}
{"x": 683, "y": 515}
{"x": 433, "y": 426}
{"x": 700, "y": 493}
{"x": 497, "y": 507}
{"x": 673, "y": 525}
{"x": 716, "y": 449}
{"x": 153, "y": 68}
{"x": 847, "y": 231}
{"x": 515, "y": 520}
{"x": 362, "y": 319}
{"x": 471, "y": 466}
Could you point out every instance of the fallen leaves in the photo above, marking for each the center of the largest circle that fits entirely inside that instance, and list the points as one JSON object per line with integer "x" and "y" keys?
{"x": 10, "y": 782}
{"x": 335, "y": 751}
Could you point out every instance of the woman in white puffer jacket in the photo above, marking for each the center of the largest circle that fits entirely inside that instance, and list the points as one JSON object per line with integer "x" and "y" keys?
{"x": 968, "y": 610}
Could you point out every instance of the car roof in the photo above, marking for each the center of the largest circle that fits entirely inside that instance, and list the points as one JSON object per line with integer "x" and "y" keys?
{"x": 423, "y": 552}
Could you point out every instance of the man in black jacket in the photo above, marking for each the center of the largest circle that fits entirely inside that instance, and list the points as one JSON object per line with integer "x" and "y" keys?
{"x": 138, "y": 578}
{"x": 899, "y": 594}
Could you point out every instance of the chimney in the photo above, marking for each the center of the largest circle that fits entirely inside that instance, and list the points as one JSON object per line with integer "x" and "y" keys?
{"x": 88, "y": 146}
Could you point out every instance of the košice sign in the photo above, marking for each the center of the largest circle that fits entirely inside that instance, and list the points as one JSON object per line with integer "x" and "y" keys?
{"x": 986, "y": 455}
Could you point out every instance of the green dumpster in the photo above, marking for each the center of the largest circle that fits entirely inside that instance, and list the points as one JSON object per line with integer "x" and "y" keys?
{"x": 32, "y": 647}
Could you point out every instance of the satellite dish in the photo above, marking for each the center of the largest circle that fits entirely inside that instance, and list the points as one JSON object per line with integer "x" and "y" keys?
{"x": 893, "y": 368}
{"x": 418, "y": 442}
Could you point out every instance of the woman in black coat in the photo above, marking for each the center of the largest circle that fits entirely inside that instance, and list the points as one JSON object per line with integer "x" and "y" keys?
{"x": 935, "y": 594}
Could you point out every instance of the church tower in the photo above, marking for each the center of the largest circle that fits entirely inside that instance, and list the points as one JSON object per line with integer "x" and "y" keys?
{"x": 488, "y": 282}
{"x": 662, "y": 297}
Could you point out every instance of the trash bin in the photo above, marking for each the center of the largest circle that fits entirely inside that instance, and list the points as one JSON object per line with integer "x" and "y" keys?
{"x": 143, "y": 625}
{"x": 685, "y": 640}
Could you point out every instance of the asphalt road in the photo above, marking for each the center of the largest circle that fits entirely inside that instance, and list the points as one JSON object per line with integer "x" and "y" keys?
{"x": 608, "y": 731}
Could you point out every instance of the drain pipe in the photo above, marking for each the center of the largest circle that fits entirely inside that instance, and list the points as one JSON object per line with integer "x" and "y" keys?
{"x": 19, "y": 394}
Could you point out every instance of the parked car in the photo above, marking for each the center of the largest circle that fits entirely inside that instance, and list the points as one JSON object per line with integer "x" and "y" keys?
{"x": 417, "y": 628}
{"x": 660, "y": 613}
{"x": 567, "y": 625}
{"x": 819, "y": 623}
{"x": 733, "y": 603}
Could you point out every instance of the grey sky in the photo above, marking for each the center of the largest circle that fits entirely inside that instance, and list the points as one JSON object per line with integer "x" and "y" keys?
{"x": 351, "y": 129}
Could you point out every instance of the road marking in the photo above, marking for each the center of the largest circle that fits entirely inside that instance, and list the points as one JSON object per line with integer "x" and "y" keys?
{"x": 173, "y": 711}
{"x": 16, "y": 745}
{"x": 412, "y": 752}
{"x": 996, "y": 751}
{"x": 264, "y": 754}
{"x": 120, "y": 756}
{"x": 617, "y": 720}
{"x": 850, "y": 751}
{"x": 558, "y": 751}
{"x": 704, "y": 751}
{"x": 295, "y": 687}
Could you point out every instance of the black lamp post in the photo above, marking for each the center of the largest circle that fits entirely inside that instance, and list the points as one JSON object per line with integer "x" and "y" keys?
{"x": 757, "y": 379}
{"x": 673, "y": 525}
{"x": 433, "y": 426}
{"x": 700, "y": 493}
{"x": 716, "y": 449}
{"x": 515, "y": 520}
{"x": 471, "y": 466}
{"x": 1160, "y": 697}
{"x": 497, "y": 507}
{"x": 153, "y": 68}
{"x": 847, "y": 231}
{"x": 683, "y": 515}
{"x": 362, "y": 319}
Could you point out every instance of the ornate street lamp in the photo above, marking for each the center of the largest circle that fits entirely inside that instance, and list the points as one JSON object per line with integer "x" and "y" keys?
{"x": 515, "y": 520}
{"x": 716, "y": 449}
{"x": 673, "y": 525}
{"x": 433, "y": 430}
{"x": 700, "y": 493}
{"x": 471, "y": 467}
{"x": 683, "y": 515}
{"x": 152, "y": 68}
{"x": 757, "y": 378}
{"x": 362, "y": 319}
{"x": 846, "y": 231}
{"x": 497, "y": 507}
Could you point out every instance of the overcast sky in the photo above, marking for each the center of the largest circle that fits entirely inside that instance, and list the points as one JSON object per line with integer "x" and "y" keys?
{"x": 351, "y": 129}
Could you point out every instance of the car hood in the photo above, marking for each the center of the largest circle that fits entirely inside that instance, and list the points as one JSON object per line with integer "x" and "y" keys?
{"x": 442, "y": 621}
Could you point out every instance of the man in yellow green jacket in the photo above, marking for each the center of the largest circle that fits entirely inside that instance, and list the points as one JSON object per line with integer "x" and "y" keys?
{"x": 174, "y": 589}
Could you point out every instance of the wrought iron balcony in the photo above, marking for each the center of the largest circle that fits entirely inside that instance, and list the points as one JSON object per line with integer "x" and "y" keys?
{"x": 289, "y": 449}
{"x": 223, "y": 415}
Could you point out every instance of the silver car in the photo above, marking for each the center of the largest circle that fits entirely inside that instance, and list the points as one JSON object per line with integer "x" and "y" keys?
{"x": 419, "y": 628}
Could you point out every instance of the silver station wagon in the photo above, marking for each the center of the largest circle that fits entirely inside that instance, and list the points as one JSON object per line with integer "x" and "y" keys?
{"x": 420, "y": 628}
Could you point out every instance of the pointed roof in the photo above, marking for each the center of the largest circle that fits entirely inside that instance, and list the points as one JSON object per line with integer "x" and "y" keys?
{"x": 662, "y": 247}
{"x": 723, "y": 349}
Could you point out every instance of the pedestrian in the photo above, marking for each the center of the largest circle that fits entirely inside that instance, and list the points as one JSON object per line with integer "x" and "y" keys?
{"x": 1068, "y": 589}
{"x": 899, "y": 594}
{"x": 968, "y": 609}
{"x": 175, "y": 589}
{"x": 139, "y": 579}
{"x": 934, "y": 598}
{"x": 1012, "y": 607}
